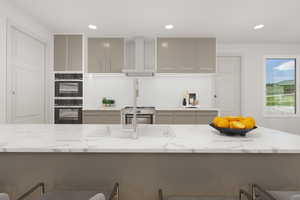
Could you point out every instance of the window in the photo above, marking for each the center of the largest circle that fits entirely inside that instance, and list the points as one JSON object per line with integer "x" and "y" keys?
{"x": 280, "y": 86}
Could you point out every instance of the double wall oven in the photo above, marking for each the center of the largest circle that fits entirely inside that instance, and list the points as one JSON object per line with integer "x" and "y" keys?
{"x": 68, "y": 98}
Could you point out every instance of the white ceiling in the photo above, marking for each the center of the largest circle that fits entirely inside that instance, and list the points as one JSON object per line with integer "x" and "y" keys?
{"x": 228, "y": 20}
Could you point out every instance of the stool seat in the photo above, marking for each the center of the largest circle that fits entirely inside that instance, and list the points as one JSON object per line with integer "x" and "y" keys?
{"x": 4, "y": 196}
{"x": 197, "y": 198}
{"x": 73, "y": 195}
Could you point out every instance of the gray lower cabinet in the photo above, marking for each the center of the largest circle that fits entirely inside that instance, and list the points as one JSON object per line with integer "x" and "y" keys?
{"x": 185, "y": 117}
{"x": 101, "y": 117}
{"x": 205, "y": 117}
{"x": 164, "y": 117}
{"x": 68, "y": 52}
{"x": 186, "y": 55}
{"x": 105, "y": 55}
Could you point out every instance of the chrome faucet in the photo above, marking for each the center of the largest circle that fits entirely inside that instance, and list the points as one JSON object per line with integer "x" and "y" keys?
{"x": 135, "y": 96}
{"x": 134, "y": 125}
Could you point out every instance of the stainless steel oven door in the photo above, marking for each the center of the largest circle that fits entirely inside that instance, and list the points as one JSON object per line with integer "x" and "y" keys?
{"x": 68, "y": 89}
{"x": 68, "y": 115}
{"x": 140, "y": 118}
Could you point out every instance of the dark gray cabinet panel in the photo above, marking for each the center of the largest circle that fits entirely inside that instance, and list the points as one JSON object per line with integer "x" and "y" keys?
{"x": 101, "y": 117}
{"x": 68, "y": 52}
{"x": 105, "y": 55}
{"x": 186, "y": 55}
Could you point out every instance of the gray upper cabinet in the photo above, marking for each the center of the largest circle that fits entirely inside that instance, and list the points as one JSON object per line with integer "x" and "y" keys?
{"x": 74, "y": 53}
{"x": 168, "y": 52}
{"x": 68, "y": 52}
{"x": 206, "y": 55}
{"x": 105, "y": 55}
{"x": 96, "y": 55}
{"x": 139, "y": 54}
{"x": 186, "y": 55}
{"x": 60, "y": 52}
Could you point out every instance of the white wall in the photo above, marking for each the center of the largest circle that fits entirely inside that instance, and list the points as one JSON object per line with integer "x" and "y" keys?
{"x": 158, "y": 91}
{"x": 252, "y": 80}
{"x": 14, "y": 16}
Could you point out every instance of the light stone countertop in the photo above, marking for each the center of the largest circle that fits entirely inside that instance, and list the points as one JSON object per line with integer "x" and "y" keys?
{"x": 153, "y": 139}
{"x": 157, "y": 109}
{"x": 186, "y": 109}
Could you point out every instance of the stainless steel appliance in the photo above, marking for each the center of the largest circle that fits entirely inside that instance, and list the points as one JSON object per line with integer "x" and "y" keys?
{"x": 68, "y": 88}
{"x": 144, "y": 115}
{"x": 68, "y": 98}
{"x": 68, "y": 115}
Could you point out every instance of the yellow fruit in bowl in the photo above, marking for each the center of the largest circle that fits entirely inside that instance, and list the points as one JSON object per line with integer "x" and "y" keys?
{"x": 230, "y": 124}
{"x": 237, "y": 125}
{"x": 223, "y": 123}
{"x": 249, "y": 124}
{"x": 233, "y": 118}
{"x": 216, "y": 120}
{"x": 251, "y": 119}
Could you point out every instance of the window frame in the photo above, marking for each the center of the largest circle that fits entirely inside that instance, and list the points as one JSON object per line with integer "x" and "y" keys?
{"x": 297, "y": 76}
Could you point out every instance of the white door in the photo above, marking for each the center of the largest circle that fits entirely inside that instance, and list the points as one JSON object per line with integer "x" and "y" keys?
{"x": 26, "y": 65}
{"x": 228, "y": 85}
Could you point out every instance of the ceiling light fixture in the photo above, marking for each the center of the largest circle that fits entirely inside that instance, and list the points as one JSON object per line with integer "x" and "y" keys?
{"x": 169, "y": 26}
{"x": 260, "y": 26}
{"x": 93, "y": 27}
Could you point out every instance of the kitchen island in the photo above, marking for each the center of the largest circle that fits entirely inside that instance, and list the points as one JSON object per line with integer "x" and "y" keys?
{"x": 152, "y": 139}
{"x": 180, "y": 159}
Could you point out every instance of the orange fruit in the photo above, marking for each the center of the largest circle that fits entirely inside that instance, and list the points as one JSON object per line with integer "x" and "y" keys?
{"x": 237, "y": 125}
{"x": 251, "y": 119}
{"x": 249, "y": 123}
{"x": 231, "y": 124}
{"x": 223, "y": 123}
{"x": 216, "y": 120}
{"x": 233, "y": 118}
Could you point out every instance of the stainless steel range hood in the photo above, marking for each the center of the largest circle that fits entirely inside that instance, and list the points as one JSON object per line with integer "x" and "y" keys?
{"x": 139, "y": 57}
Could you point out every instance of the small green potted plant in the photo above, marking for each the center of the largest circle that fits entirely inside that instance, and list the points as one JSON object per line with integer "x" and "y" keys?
{"x": 108, "y": 102}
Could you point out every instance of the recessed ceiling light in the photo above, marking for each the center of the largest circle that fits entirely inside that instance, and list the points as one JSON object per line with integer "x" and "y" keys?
{"x": 260, "y": 26}
{"x": 165, "y": 44}
{"x": 169, "y": 26}
{"x": 93, "y": 27}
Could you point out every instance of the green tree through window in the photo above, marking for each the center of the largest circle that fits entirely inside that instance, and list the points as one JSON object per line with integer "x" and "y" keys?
{"x": 280, "y": 86}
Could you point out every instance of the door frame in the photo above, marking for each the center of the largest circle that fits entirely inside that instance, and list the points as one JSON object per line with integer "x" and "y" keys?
{"x": 242, "y": 75}
{"x": 3, "y": 70}
{"x": 9, "y": 26}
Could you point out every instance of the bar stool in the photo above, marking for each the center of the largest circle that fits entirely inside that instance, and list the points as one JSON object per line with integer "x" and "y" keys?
{"x": 260, "y": 193}
{"x": 4, "y": 196}
{"x": 175, "y": 197}
{"x": 113, "y": 194}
